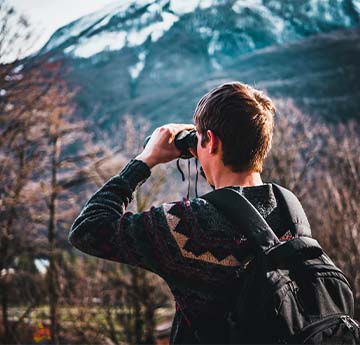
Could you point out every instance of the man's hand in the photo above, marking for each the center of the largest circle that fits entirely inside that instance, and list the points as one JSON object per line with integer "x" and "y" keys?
{"x": 161, "y": 147}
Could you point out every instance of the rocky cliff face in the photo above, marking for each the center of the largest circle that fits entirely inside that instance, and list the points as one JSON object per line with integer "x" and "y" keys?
{"x": 155, "y": 58}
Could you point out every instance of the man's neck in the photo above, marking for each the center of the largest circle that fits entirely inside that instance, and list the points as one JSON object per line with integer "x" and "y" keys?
{"x": 244, "y": 179}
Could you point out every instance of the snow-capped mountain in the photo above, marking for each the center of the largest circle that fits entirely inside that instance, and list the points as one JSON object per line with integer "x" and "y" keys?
{"x": 134, "y": 53}
{"x": 245, "y": 24}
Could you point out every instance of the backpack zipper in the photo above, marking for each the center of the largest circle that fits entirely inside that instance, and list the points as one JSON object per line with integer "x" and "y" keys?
{"x": 319, "y": 326}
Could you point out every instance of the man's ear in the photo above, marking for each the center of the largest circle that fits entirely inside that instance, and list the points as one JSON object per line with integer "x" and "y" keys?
{"x": 213, "y": 141}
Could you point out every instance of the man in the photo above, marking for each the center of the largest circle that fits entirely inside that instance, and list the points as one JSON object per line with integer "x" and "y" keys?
{"x": 191, "y": 245}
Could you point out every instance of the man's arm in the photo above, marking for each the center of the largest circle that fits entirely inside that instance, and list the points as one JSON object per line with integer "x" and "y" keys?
{"x": 98, "y": 228}
{"x": 103, "y": 229}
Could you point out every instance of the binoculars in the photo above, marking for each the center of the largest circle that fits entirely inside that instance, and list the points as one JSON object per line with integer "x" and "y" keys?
{"x": 183, "y": 141}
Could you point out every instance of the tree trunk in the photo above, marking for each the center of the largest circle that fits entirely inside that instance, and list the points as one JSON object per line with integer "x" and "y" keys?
{"x": 6, "y": 252}
{"x": 4, "y": 305}
{"x": 138, "y": 322}
{"x": 52, "y": 273}
{"x": 149, "y": 303}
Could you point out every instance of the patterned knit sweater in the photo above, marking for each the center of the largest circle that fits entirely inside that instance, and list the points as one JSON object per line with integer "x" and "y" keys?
{"x": 193, "y": 247}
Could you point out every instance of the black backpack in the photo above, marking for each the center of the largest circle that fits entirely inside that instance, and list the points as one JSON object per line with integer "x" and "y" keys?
{"x": 290, "y": 292}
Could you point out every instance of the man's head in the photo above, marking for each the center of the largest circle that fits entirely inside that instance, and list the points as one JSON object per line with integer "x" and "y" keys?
{"x": 243, "y": 119}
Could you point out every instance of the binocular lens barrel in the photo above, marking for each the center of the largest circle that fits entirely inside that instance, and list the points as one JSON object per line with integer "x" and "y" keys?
{"x": 183, "y": 141}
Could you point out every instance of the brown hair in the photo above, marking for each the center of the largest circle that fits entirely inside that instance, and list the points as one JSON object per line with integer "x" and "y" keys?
{"x": 243, "y": 118}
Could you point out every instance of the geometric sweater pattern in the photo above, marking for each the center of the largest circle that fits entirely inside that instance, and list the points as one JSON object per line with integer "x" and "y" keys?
{"x": 188, "y": 243}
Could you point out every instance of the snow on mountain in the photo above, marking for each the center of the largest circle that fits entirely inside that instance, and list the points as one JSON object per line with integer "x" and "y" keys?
{"x": 136, "y": 69}
{"x": 103, "y": 42}
{"x": 84, "y": 24}
{"x": 110, "y": 40}
{"x": 182, "y": 7}
{"x": 109, "y": 28}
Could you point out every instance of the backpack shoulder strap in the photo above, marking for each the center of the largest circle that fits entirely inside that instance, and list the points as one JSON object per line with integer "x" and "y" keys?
{"x": 299, "y": 221}
{"x": 241, "y": 212}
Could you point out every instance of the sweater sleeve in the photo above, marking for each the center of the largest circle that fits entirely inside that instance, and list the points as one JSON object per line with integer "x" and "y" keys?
{"x": 103, "y": 228}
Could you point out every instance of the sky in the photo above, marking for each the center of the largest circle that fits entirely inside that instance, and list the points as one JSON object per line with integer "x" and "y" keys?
{"x": 46, "y": 16}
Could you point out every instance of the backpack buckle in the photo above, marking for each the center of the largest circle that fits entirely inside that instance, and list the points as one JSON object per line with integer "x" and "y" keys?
{"x": 349, "y": 322}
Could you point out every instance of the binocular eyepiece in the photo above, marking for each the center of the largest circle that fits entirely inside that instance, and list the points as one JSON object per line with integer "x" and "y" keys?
{"x": 183, "y": 141}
